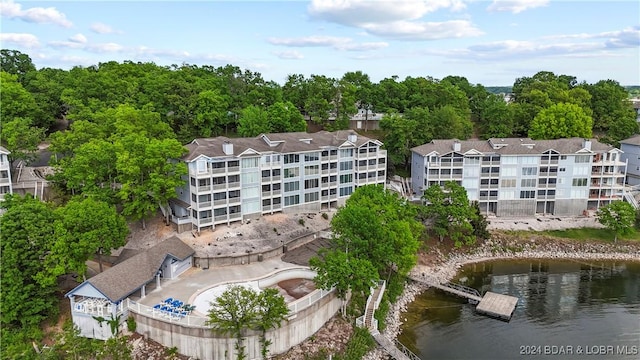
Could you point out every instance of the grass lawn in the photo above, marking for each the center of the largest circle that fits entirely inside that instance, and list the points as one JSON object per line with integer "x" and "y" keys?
{"x": 592, "y": 234}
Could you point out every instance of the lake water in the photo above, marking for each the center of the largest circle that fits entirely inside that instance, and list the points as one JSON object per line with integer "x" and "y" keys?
{"x": 566, "y": 310}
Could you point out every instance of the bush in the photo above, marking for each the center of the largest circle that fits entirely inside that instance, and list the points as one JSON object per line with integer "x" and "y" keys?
{"x": 325, "y": 216}
{"x": 131, "y": 324}
{"x": 361, "y": 342}
{"x": 301, "y": 221}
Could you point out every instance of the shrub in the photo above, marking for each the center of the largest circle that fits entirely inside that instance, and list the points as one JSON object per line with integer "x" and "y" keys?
{"x": 131, "y": 324}
{"x": 301, "y": 221}
{"x": 325, "y": 216}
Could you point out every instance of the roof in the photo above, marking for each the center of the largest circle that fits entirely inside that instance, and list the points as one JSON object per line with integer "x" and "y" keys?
{"x": 130, "y": 275}
{"x": 510, "y": 146}
{"x": 283, "y": 143}
{"x": 634, "y": 140}
{"x": 4, "y": 151}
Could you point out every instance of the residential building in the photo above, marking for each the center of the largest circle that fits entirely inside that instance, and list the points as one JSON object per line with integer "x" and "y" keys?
{"x": 234, "y": 179}
{"x": 524, "y": 177}
{"x": 631, "y": 149}
{"x": 5, "y": 173}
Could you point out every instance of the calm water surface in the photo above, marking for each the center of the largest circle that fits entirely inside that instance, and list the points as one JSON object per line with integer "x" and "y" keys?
{"x": 567, "y": 310}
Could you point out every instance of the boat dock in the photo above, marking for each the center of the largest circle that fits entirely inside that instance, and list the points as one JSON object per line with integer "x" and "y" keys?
{"x": 491, "y": 304}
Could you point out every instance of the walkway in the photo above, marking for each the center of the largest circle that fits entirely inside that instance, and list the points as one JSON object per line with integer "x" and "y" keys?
{"x": 453, "y": 288}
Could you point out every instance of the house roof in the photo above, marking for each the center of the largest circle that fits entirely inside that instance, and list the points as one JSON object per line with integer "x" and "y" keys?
{"x": 130, "y": 275}
{"x": 634, "y": 140}
{"x": 510, "y": 146}
{"x": 4, "y": 151}
{"x": 283, "y": 143}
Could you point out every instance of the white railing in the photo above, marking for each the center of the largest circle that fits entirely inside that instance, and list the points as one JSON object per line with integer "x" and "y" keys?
{"x": 148, "y": 311}
{"x": 308, "y": 300}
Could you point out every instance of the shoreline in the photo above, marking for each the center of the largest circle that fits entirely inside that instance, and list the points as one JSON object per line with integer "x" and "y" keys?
{"x": 499, "y": 247}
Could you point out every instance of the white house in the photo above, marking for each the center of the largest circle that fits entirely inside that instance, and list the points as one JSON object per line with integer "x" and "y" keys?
{"x": 5, "y": 173}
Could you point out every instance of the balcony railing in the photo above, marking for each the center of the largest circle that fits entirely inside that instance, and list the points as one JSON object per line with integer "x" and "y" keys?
{"x": 204, "y": 188}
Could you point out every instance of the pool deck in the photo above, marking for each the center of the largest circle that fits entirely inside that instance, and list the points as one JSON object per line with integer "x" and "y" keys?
{"x": 195, "y": 280}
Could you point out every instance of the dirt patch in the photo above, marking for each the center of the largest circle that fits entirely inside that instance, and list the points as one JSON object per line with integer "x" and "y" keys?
{"x": 297, "y": 288}
{"x": 330, "y": 339}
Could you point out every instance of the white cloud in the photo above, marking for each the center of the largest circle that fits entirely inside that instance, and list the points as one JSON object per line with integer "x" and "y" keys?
{"x": 101, "y": 28}
{"x": 105, "y": 48}
{"x": 408, "y": 30}
{"x": 289, "y": 55}
{"x": 38, "y": 15}
{"x": 359, "y": 12}
{"x": 23, "y": 40}
{"x": 338, "y": 43}
{"x": 516, "y": 6}
{"x": 78, "y": 38}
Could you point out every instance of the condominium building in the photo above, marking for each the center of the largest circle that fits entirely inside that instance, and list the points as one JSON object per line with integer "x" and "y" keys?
{"x": 233, "y": 179}
{"x": 5, "y": 173}
{"x": 524, "y": 177}
{"x": 631, "y": 149}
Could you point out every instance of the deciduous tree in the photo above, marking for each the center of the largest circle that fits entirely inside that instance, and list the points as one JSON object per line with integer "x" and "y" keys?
{"x": 618, "y": 216}
{"x": 451, "y": 212}
{"x": 561, "y": 121}
{"x": 272, "y": 311}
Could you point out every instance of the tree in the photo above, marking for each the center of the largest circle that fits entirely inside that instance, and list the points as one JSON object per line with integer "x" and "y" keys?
{"x": 618, "y": 216}
{"x": 344, "y": 272}
{"x": 399, "y": 137}
{"x": 285, "y": 117}
{"x": 26, "y": 237}
{"x": 272, "y": 311}
{"x": 234, "y": 312}
{"x": 16, "y": 63}
{"x": 84, "y": 227}
{"x": 253, "y": 121}
{"x": 451, "y": 213}
{"x": 561, "y": 121}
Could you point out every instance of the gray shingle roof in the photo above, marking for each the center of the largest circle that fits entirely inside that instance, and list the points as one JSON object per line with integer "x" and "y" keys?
{"x": 634, "y": 140}
{"x": 281, "y": 143}
{"x": 128, "y": 276}
{"x": 510, "y": 146}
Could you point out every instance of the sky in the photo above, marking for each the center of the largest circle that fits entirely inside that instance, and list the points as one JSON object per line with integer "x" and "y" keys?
{"x": 489, "y": 42}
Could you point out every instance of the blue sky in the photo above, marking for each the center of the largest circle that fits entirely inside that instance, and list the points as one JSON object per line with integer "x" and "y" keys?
{"x": 488, "y": 42}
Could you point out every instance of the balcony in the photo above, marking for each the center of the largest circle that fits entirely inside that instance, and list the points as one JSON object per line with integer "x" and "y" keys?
{"x": 234, "y": 200}
{"x": 202, "y": 205}
{"x": 233, "y": 169}
{"x": 219, "y": 186}
{"x": 235, "y": 216}
{"x": 205, "y": 221}
{"x": 5, "y": 180}
{"x": 204, "y": 188}
{"x": 220, "y": 202}
{"x": 220, "y": 218}
{"x": 234, "y": 185}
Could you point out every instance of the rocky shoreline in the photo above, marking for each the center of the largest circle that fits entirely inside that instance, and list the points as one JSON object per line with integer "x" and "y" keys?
{"x": 500, "y": 246}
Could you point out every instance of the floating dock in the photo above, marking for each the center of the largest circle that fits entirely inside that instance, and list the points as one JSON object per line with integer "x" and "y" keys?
{"x": 497, "y": 305}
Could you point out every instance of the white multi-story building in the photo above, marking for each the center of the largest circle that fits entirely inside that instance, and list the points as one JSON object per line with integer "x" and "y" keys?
{"x": 232, "y": 179}
{"x": 524, "y": 177}
{"x": 5, "y": 173}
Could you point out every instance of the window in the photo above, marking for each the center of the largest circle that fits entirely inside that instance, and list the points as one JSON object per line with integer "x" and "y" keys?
{"x": 218, "y": 165}
{"x": 194, "y": 198}
{"x": 347, "y": 178}
{"x": 346, "y": 191}
{"x": 276, "y": 187}
{"x": 509, "y": 160}
{"x": 291, "y": 172}
{"x": 266, "y": 202}
{"x": 563, "y": 157}
{"x": 291, "y": 186}
{"x": 508, "y": 183}
{"x": 202, "y": 166}
{"x": 219, "y": 180}
{"x": 311, "y": 183}
{"x": 250, "y": 163}
{"x": 527, "y": 171}
{"x": 312, "y": 170}
{"x": 346, "y": 165}
{"x": 507, "y": 195}
{"x": 528, "y": 160}
{"x": 250, "y": 178}
{"x": 528, "y": 194}
{"x": 433, "y": 159}
{"x": 471, "y": 172}
{"x": 193, "y": 181}
{"x": 205, "y": 214}
{"x": 219, "y": 212}
{"x": 582, "y": 158}
{"x": 509, "y": 171}
{"x": 346, "y": 152}
{"x": 528, "y": 183}
{"x": 311, "y": 197}
{"x": 234, "y": 163}
{"x": 291, "y": 158}
{"x": 266, "y": 173}
{"x": 474, "y": 160}
{"x": 314, "y": 156}
{"x": 204, "y": 198}
{"x": 276, "y": 172}
{"x": 579, "y": 182}
{"x": 220, "y": 196}
{"x": 234, "y": 194}
{"x": 291, "y": 200}
{"x": 469, "y": 183}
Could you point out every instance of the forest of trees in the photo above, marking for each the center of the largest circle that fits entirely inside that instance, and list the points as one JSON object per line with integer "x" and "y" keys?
{"x": 124, "y": 123}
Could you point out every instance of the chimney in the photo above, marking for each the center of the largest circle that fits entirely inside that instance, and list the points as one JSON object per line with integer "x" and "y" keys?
{"x": 227, "y": 148}
{"x": 352, "y": 137}
{"x": 456, "y": 146}
{"x": 586, "y": 144}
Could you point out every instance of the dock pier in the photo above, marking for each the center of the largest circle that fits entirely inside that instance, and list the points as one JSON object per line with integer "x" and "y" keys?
{"x": 491, "y": 304}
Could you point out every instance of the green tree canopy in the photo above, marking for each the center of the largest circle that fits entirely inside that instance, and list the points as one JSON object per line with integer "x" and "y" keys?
{"x": 452, "y": 214}
{"x": 561, "y": 121}
{"x": 26, "y": 238}
{"x": 619, "y": 217}
{"x": 254, "y": 120}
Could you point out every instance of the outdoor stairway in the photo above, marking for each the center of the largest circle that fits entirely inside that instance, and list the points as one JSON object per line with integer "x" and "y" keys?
{"x": 395, "y": 350}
